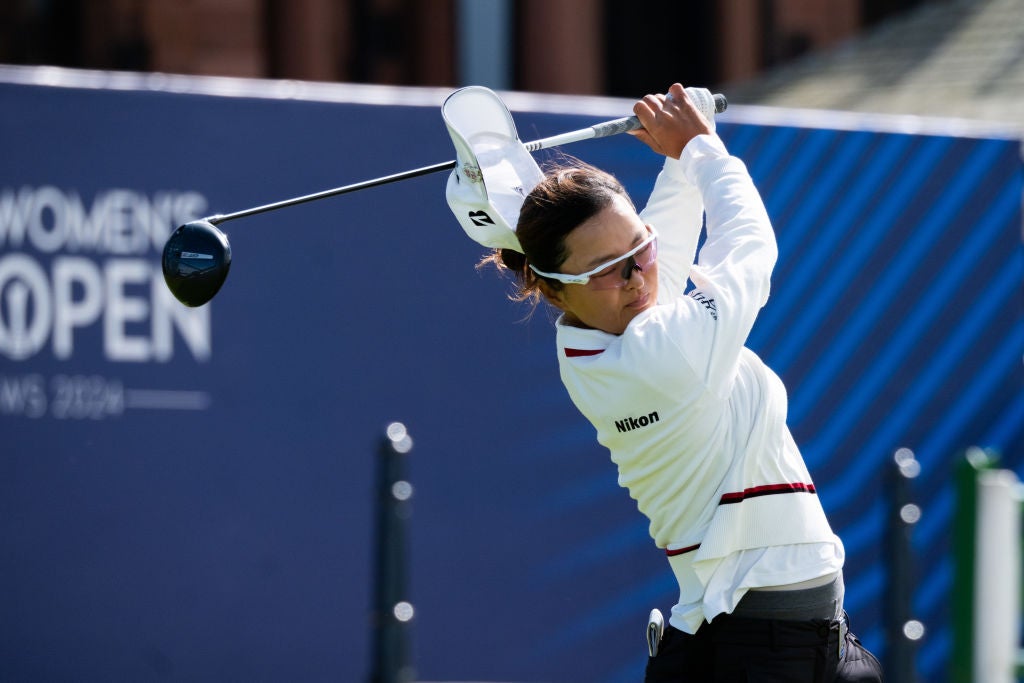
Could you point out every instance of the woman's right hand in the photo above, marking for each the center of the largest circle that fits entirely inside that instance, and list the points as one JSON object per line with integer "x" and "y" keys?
{"x": 669, "y": 122}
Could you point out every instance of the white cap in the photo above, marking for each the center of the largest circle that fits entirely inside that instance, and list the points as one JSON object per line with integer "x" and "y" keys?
{"x": 493, "y": 171}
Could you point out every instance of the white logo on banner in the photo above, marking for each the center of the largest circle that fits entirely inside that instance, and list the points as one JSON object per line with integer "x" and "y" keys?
{"x": 67, "y": 268}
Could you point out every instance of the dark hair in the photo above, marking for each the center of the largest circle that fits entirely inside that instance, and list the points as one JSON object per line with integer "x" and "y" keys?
{"x": 570, "y": 193}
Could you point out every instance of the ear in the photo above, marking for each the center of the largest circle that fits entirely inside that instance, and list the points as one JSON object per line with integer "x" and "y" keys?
{"x": 555, "y": 297}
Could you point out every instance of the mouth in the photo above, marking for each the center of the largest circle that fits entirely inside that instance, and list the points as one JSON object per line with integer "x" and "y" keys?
{"x": 640, "y": 302}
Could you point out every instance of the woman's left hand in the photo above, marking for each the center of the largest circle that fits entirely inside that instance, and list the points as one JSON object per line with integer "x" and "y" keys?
{"x": 669, "y": 121}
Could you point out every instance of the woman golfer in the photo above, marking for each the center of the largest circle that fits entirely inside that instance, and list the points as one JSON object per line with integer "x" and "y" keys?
{"x": 694, "y": 420}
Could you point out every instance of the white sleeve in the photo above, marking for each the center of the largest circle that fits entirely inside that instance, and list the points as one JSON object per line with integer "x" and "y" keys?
{"x": 733, "y": 273}
{"x": 676, "y": 211}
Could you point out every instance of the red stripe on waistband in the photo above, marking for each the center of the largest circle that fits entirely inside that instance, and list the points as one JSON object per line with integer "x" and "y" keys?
{"x": 576, "y": 353}
{"x": 753, "y": 492}
{"x": 767, "y": 490}
{"x": 681, "y": 551}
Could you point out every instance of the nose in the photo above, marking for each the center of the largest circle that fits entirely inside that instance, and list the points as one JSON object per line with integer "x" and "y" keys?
{"x": 633, "y": 270}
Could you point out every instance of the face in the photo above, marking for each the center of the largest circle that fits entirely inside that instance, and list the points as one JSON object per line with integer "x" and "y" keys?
{"x": 606, "y": 236}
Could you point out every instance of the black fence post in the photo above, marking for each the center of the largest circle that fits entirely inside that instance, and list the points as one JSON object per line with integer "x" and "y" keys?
{"x": 392, "y": 611}
{"x": 904, "y": 631}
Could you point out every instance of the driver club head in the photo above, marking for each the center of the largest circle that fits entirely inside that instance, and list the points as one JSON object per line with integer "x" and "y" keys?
{"x": 196, "y": 261}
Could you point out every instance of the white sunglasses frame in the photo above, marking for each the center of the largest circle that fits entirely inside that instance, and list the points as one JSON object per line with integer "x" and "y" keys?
{"x": 584, "y": 278}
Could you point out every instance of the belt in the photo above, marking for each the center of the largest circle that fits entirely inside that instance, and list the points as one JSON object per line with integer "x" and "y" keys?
{"x": 726, "y": 629}
{"x": 781, "y": 632}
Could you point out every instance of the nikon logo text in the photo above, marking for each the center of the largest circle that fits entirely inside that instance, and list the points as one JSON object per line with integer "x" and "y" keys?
{"x": 628, "y": 424}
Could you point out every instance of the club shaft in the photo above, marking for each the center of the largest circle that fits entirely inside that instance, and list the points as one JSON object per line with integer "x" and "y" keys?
{"x": 596, "y": 131}
{"x": 383, "y": 180}
{"x": 600, "y": 130}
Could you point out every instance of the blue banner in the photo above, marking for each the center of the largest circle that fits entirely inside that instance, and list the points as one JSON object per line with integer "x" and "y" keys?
{"x": 188, "y": 493}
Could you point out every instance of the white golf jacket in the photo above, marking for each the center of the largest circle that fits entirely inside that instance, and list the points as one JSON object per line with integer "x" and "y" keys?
{"x": 695, "y": 422}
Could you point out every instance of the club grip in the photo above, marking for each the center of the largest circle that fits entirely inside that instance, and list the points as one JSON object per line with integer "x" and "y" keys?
{"x": 703, "y": 98}
{"x": 616, "y": 126}
{"x": 629, "y": 123}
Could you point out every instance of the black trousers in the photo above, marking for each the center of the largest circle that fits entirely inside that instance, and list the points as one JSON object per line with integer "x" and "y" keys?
{"x": 750, "y": 650}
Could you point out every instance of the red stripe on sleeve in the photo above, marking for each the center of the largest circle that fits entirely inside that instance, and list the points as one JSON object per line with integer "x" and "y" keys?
{"x": 681, "y": 551}
{"x": 576, "y": 353}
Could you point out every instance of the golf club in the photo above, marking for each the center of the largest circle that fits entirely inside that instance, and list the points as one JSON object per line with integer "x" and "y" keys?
{"x": 197, "y": 256}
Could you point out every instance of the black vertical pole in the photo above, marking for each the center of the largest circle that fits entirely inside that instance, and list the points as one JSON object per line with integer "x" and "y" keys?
{"x": 392, "y": 612}
{"x": 903, "y": 630}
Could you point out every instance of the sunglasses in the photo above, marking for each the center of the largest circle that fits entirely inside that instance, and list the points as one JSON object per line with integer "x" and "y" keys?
{"x": 616, "y": 273}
